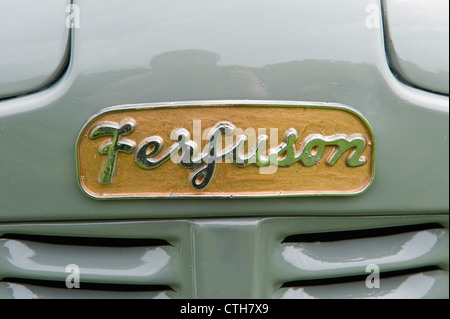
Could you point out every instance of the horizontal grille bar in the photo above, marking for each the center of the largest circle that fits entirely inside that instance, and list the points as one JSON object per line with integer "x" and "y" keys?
{"x": 355, "y": 278}
{"x": 37, "y": 260}
{"x": 34, "y": 289}
{"x": 417, "y": 285}
{"x": 315, "y": 260}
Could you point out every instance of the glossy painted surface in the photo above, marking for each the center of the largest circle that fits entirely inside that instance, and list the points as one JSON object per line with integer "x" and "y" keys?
{"x": 316, "y": 257}
{"x": 232, "y": 258}
{"x": 417, "y": 286}
{"x": 160, "y": 51}
{"x": 132, "y": 265}
{"x": 417, "y": 42}
{"x": 104, "y": 263}
{"x": 181, "y": 53}
{"x": 34, "y": 44}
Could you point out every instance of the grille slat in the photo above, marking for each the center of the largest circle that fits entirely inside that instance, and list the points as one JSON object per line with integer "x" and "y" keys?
{"x": 141, "y": 265}
{"x": 350, "y": 256}
{"x": 413, "y": 286}
{"x": 14, "y": 290}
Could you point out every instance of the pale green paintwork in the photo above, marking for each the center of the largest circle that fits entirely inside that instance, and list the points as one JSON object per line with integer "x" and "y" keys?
{"x": 38, "y": 170}
{"x": 184, "y": 51}
{"x": 419, "y": 54}
{"x": 34, "y": 45}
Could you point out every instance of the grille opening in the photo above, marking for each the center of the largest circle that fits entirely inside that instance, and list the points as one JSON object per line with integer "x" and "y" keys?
{"x": 89, "y": 241}
{"x": 90, "y": 285}
{"x": 358, "y": 234}
{"x": 356, "y": 278}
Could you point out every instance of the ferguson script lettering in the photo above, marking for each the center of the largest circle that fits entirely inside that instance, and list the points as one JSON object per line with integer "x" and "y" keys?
{"x": 151, "y": 153}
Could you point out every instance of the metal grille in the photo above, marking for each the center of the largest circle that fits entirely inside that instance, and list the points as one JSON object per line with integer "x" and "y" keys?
{"x": 142, "y": 260}
{"x": 291, "y": 257}
{"x": 341, "y": 258}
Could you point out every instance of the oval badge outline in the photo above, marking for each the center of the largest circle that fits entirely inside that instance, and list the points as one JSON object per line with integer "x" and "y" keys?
{"x": 224, "y": 104}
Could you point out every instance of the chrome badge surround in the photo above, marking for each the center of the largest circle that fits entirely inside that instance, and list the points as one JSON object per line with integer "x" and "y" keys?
{"x": 150, "y": 153}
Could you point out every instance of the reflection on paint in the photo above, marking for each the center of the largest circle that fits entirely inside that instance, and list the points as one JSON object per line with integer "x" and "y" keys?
{"x": 22, "y": 256}
{"x": 402, "y": 247}
{"x": 20, "y": 292}
{"x": 412, "y": 287}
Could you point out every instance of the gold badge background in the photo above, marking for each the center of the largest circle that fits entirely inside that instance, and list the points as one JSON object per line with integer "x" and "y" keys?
{"x": 170, "y": 179}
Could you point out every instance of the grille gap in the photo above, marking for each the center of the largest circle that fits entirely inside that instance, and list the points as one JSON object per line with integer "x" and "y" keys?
{"x": 358, "y": 234}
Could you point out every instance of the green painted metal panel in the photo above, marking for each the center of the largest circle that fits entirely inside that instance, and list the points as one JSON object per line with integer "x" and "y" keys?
{"x": 236, "y": 258}
{"x": 35, "y": 45}
{"x": 173, "y": 52}
{"x": 408, "y": 124}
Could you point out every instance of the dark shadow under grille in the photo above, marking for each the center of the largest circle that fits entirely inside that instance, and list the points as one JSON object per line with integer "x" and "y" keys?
{"x": 89, "y": 241}
{"x": 359, "y": 234}
{"x": 89, "y": 286}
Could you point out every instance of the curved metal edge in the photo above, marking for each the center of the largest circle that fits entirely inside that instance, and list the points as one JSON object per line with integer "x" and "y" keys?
{"x": 53, "y": 91}
{"x": 393, "y": 57}
{"x": 58, "y": 73}
{"x": 413, "y": 95}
